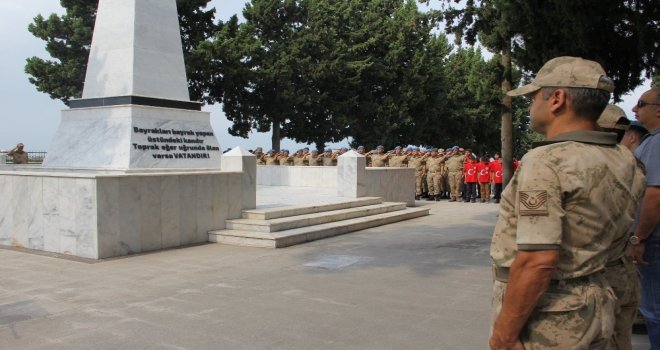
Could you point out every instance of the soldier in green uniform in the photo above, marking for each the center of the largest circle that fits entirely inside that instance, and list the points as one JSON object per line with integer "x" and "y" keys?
{"x": 562, "y": 217}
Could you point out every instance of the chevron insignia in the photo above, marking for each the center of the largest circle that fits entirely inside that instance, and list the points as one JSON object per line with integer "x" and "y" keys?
{"x": 532, "y": 203}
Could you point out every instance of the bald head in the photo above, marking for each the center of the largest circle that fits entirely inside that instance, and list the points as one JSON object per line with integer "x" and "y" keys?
{"x": 647, "y": 109}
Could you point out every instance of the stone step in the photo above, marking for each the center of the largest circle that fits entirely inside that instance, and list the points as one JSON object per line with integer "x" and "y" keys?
{"x": 291, "y": 222}
{"x": 274, "y": 213}
{"x": 310, "y": 233}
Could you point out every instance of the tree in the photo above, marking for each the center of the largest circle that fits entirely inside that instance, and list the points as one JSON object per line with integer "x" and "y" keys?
{"x": 622, "y": 36}
{"x": 325, "y": 70}
{"x": 68, "y": 40}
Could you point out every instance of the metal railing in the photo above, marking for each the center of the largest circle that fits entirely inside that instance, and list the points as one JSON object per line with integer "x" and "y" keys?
{"x": 33, "y": 158}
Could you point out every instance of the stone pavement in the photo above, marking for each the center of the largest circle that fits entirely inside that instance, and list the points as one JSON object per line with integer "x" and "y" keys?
{"x": 418, "y": 284}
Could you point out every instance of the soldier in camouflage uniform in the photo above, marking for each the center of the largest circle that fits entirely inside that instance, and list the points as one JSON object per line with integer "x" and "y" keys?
{"x": 284, "y": 158}
{"x": 378, "y": 157}
{"x": 455, "y": 173}
{"x": 328, "y": 158}
{"x": 434, "y": 164}
{"x": 620, "y": 271}
{"x": 271, "y": 158}
{"x": 299, "y": 158}
{"x": 562, "y": 217}
{"x": 398, "y": 159}
{"x": 417, "y": 162}
{"x": 312, "y": 159}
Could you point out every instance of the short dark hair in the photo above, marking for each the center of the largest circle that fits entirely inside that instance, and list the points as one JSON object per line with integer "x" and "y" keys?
{"x": 587, "y": 103}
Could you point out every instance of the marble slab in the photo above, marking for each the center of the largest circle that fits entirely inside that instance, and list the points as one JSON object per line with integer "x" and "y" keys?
{"x": 240, "y": 160}
{"x": 393, "y": 184}
{"x": 297, "y": 176}
{"x": 134, "y": 137}
{"x": 136, "y": 50}
{"x": 102, "y": 216}
{"x": 351, "y": 175}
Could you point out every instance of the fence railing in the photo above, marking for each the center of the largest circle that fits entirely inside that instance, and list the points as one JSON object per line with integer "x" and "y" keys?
{"x": 33, "y": 158}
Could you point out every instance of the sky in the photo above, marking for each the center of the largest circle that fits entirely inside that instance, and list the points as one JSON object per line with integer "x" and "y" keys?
{"x": 31, "y": 117}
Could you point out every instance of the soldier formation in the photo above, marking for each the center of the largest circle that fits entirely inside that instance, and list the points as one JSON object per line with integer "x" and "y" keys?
{"x": 453, "y": 173}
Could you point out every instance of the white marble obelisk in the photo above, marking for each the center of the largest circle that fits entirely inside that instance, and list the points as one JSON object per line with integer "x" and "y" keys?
{"x": 135, "y": 112}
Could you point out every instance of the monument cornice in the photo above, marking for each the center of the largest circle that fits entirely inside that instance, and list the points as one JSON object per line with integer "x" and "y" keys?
{"x": 134, "y": 100}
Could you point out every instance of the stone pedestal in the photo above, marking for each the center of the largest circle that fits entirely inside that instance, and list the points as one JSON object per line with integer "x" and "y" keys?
{"x": 240, "y": 160}
{"x": 3, "y": 158}
{"x": 134, "y": 137}
{"x": 351, "y": 175}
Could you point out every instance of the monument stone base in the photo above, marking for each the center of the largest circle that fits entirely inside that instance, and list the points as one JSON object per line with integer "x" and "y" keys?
{"x": 99, "y": 215}
{"x": 134, "y": 137}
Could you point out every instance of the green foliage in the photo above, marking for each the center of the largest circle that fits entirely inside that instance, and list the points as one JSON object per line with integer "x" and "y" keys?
{"x": 68, "y": 39}
{"x": 621, "y": 35}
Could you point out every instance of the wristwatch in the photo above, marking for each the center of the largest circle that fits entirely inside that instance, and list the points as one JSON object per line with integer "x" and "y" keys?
{"x": 634, "y": 240}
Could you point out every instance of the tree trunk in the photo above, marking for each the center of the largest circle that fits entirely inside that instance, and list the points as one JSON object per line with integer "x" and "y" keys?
{"x": 320, "y": 146}
{"x": 507, "y": 116}
{"x": 275, "y": 140}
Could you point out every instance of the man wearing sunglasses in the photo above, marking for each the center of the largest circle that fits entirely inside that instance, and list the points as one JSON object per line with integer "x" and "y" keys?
{"x": 645, "y": 239}
{"x": 563, "y": 215}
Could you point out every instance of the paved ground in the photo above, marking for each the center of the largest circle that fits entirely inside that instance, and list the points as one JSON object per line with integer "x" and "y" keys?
{"x": 418, "y": 284}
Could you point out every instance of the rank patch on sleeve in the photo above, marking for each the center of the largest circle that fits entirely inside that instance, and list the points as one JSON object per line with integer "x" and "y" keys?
{"x": 532, "y": 203}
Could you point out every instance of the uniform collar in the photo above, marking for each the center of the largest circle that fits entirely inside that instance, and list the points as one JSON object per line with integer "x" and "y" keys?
{"x": 583, "y": 136}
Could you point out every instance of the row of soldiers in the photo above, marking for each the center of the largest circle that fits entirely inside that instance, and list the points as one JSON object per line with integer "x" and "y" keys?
{"x": 439, "y": 173}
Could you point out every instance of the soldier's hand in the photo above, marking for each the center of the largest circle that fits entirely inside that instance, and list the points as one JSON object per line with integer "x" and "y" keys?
{"x": 495, "y": 343}
{"x": 637, "y": 253}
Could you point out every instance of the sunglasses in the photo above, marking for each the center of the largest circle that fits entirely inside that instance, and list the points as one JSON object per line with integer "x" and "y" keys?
{"x": 641, "y": 104}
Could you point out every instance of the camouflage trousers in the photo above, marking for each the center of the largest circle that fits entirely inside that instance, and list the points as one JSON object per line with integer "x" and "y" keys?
{"x": 419, "y": 183}
{"x": 456, "y": 184}
{"x": 435, "y": 183}
{"x": 624, "y": 279}
{"x": 572, "y": 314}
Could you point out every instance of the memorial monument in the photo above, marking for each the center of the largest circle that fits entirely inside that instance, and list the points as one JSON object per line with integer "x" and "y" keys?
{"x": 135, "y": 110}
{"x": 134, "y": 165}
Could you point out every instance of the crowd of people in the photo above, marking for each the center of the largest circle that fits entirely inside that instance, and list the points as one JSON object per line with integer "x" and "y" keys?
{"x": 453, "y": 173}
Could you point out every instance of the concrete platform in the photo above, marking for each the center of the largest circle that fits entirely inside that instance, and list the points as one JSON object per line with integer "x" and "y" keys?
{"x": 286, "y": 216}
{"x": 418, "y": 284}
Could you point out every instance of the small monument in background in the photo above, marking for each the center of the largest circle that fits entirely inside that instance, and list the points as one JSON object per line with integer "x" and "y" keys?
{"x": 135, "y": 111}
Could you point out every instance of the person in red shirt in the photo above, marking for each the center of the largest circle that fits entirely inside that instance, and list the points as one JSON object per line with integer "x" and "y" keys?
{"x": 470, "y": 173}
{"x": 496, "y": 177}
{"x": 516, "y": 164}
{"x": 483, "y": 176}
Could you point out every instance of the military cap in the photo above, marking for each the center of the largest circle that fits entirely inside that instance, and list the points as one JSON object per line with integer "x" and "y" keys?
{"x": 306, "y": 148}
{"x": 259, "y": 150}
{"x": 271, "y": 151}
{"x": 415, "y": 148}
{"x": 613, "y": 117}
{"x": 344, "y": 148}
{"x": 360, "y": 147}
{"x": 455, "y": 148}
{"x": 567, "y": 71}
{"x": 409, "y": 148}
{"x": 383, "y": 147}
{"x": 397, "y": 147}
{"x": 327, "y": 150}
